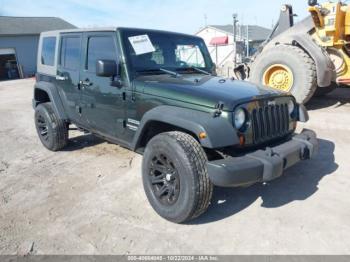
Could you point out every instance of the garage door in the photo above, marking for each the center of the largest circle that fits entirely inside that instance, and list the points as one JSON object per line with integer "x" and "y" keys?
{"x": 7, "y": 51}
{"x": 8, "y": 64}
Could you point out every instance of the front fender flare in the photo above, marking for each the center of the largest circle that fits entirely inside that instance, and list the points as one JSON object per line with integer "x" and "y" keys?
{"x": 220, "y": 132}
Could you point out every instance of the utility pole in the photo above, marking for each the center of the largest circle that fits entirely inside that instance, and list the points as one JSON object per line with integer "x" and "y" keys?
{"x": 235, "y": 21}
{"x": 247, "y": 41}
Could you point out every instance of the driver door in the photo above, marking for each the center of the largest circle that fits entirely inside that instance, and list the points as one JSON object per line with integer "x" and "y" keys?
{"x": 103, "y": 105}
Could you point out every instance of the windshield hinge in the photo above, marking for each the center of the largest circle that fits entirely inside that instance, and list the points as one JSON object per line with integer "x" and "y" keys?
{"x": 218, "y": 109}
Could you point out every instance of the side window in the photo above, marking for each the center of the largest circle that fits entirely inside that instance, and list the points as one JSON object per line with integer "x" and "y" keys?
{"x": 48, "y": 51}
{"x": 70, "y": 53}
{"x": 99, "y": 47}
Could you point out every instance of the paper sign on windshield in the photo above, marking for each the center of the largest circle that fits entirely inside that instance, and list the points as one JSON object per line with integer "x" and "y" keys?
{"x": 141, "y": 44}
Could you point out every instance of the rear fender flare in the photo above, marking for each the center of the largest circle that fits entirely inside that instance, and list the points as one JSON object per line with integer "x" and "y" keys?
{"x": 54, "y": 96}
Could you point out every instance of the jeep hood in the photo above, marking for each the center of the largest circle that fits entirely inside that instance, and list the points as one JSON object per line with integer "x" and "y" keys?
{"x": 203, "y": 90}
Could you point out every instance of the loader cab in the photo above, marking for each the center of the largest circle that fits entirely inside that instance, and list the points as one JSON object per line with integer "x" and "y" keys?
{"x": 332, "y": 22}
{"x": 332, "y": 32}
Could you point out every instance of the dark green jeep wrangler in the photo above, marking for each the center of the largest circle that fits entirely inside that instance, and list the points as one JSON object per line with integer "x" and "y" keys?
{"x": 156, "y": 93}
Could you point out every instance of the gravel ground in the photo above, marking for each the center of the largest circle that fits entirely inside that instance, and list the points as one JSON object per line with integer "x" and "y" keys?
{"x": 89, "y": 198}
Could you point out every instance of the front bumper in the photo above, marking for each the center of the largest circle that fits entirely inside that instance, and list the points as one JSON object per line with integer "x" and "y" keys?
{"x": 263, "y": 165}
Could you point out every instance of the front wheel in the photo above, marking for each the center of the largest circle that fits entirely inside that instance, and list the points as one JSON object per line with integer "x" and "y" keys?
{"x": 175, "y": 177}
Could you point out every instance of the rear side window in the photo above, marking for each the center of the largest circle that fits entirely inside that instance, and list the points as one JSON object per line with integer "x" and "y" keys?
{"x": 48, "y": 51}
{"x": 70, "y": 53}
{"x": 100, "y": 48}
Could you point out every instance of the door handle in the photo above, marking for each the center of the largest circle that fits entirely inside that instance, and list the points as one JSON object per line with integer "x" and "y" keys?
{"x": 61, "y": 78}
{"x": 86, "y": 82}
{"x": 123, "y": 96}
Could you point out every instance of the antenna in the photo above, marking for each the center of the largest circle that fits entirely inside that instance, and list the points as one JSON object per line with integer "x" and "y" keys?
{"x": 234, "y": 31}
{"x": 205, "y": 20}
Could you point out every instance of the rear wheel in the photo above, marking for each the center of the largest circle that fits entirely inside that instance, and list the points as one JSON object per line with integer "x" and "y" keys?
{"x": 52, "y": 131}
{"x": 175, "y": 177}
{"x": 286, "y": 68}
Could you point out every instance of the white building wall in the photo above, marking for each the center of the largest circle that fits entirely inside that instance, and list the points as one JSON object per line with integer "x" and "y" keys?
{"x": 223, "y": 56}
{"x": 219, "y": 54}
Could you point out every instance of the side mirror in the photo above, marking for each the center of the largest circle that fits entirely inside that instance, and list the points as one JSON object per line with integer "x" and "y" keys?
{"x": 107, "y": 68}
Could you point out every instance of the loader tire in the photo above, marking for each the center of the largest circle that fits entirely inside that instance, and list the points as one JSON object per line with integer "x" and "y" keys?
{"x": 286, "y": 68}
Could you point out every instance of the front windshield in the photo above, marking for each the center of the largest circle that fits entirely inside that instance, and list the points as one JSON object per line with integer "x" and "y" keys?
{"x": 150, "y": 52}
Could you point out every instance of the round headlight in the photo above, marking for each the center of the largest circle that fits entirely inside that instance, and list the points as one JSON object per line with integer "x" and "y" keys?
{"x": 291, "y": 107}
{"x": 240, "y": 118}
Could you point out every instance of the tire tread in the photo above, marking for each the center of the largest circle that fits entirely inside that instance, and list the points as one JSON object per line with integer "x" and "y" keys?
{"x": 309, "y": 66}
{"x": 198, "y": 161}
{"x": 59, "y": 126}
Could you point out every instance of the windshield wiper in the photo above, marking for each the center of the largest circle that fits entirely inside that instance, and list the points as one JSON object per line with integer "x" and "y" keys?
{"x": 195, "y": 69}
{"x": 172, "y": 73}
{"x": 169, "y": 72}
{"x": 200, "y": 70}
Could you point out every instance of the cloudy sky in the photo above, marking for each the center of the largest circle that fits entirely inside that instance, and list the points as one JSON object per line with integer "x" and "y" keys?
{"x": 177, "y": 15}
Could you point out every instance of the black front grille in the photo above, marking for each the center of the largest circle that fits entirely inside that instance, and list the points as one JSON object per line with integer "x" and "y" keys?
{"x": 270, "y": 122}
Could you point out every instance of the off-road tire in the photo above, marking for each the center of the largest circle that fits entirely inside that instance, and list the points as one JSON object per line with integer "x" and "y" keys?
{"x": 300, "y": 63}
{"x": 189, "y": 160}
{"x": 322, "y": 91}
{"x": 57, "y": 130}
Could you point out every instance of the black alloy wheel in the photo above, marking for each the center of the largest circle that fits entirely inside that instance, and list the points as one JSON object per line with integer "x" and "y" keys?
{"x": 175, "y": 176}
{"x": 164, "y": 179}
{"x": 43, "y": 128}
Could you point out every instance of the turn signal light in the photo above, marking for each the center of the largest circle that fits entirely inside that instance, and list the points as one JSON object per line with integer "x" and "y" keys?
{"x": 241, "y": 140}
{"x": 202, "y": 135}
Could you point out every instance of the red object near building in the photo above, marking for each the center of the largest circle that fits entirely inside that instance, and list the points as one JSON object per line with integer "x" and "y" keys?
{"x": 220, "y": 40}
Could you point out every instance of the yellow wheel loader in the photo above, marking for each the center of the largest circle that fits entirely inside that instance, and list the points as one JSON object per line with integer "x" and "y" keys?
{"x": 308, "y": 58}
